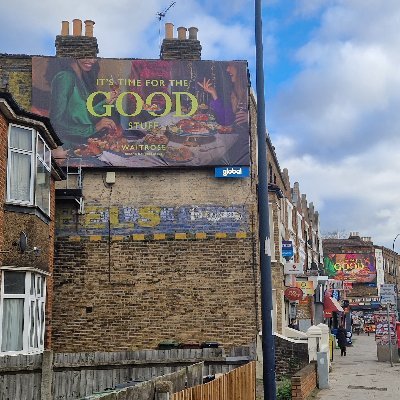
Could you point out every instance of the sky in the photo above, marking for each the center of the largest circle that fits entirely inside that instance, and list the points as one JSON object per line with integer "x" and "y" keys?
{"x": 332, "y": 84}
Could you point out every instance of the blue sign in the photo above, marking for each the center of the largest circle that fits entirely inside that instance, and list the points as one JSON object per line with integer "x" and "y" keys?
{"x": 232, "y": 172}
{"x": 287, "y": 249}
{"x": 336, "y": 294}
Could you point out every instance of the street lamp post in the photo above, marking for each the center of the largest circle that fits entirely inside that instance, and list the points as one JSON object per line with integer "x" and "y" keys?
{"x": 395, "y": 276}
{"x": 268, "y": 345}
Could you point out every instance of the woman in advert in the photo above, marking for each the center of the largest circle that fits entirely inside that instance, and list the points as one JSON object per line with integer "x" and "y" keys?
{"x": 69, "y": 115}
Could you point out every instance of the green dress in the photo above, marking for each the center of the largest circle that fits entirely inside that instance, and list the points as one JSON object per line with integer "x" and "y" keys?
{"x": 68, "y": 112}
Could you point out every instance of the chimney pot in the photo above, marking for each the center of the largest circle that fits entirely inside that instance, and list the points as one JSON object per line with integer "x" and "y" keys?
{"x": 193, "y": 33}
{"x": 89, "y": 28}
{"x": 182, "y": 33}
{"x": 64, "y": 28}
{"x": 169, "y": 30}
{"x": 77, "y": 27}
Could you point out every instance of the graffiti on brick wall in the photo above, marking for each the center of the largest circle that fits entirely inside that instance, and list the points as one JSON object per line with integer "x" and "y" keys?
{"x": 127, "y": 220}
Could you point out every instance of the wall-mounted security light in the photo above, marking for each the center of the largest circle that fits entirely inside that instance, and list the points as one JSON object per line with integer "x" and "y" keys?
{"x": 110, "y": 178}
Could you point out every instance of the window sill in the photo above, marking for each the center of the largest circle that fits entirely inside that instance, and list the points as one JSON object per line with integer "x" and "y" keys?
{"x": 20, "y": 353}
{"x": 32, "y": 210}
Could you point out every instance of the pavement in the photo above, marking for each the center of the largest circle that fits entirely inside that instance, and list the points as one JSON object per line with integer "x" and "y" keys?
{"x": 359, "y": 375}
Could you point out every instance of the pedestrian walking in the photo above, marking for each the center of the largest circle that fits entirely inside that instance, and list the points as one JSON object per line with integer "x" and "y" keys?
{"x": 342, "y": 339}
{"x": 294, "y": 324}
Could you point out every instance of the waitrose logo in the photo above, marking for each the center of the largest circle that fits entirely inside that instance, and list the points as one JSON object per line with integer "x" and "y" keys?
{"x": 232, "y": 172}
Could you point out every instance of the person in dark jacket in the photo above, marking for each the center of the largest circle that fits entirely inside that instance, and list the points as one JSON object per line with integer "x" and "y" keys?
{"x": 342, "y": 340}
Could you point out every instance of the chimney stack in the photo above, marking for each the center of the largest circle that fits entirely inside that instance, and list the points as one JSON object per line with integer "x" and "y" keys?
{"x": 64, "y": 28}
{"x": 77, "y": 27}
{"x": 76, "y": 45}
{"x": 193, "y": 33}
{"x": 89, "y": 28}
{"x": 182, "y": 48}
{"x": 169, "y": 30}
{"x": 182, "y": 33}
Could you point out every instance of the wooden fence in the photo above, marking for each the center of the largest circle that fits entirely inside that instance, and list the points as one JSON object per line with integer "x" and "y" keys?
{"x": 76, "y": 375}
{"x": 20, "y": 377}
{"x": 239, "y": 384}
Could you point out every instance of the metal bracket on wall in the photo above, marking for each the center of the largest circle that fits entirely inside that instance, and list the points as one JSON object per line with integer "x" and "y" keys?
{"x": 78, "y": 174}
{"x": 73, "y": 189}
{"x": 81, "y": 204}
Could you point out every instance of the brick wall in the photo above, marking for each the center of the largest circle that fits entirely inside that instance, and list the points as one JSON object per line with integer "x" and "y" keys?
{"x": 17, "y": 70}
{"x": 174, "y": 49}
{"x": 277, "y": 266}
{"x": 76, "y": 46}
{"x": 304, "y": 382}
{"x": 50, "y": 278}
{"x": 37, "y": 232}
{"x": 277, "y": 284}
{"x": 290, "y": 357}
{"x": 152, "y": 291}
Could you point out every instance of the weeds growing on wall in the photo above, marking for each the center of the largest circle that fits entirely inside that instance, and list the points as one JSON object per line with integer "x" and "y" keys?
{"x": 284, "y": 389}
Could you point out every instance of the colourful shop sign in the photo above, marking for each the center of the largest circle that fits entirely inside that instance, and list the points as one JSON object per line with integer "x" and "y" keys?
{"x": 293, "y": 294}
{"x": 351, "y": 267}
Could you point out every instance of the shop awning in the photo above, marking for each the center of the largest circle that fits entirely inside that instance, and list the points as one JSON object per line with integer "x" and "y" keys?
{"x": 331, "y": 305}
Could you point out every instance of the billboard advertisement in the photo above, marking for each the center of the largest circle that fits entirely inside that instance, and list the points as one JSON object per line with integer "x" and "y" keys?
{"x": 351, "y": 267}
{"x": 145, "y": 113}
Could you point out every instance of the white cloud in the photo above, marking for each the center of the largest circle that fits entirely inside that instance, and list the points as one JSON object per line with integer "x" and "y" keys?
{"x": 308, "y": 8}
{"x": 356, "y": 193}
{"x": 337, "y": 119}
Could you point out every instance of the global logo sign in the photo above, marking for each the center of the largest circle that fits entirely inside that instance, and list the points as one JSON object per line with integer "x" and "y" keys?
{"x": 232, "y": 172}
{"x": 287, "y": 249}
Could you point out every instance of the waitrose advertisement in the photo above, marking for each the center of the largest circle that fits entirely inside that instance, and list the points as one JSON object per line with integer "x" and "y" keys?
{"x": 145, "y": 113}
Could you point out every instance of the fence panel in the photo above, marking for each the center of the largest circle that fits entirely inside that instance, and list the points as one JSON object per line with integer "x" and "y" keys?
{"x": 20, "y": 377}
{"x": 239, "y": 384}
{"x": 76, "y": 375}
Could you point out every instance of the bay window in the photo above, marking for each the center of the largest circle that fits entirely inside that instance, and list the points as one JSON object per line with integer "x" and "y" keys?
{"x": 22, "y": 312}
{"x": 28, "y": 168}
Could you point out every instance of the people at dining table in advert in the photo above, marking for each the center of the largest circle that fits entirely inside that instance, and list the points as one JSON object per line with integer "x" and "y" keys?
{"x": 70, "y": 88}
{"x": 155, "y": 76}
{"x": 235, "y": 111}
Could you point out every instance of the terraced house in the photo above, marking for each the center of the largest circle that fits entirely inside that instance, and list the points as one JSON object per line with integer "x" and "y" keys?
{"x": 27, "y": 213}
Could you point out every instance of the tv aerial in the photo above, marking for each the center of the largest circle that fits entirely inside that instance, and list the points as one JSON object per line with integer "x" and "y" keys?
{"x": 161, "y": 15}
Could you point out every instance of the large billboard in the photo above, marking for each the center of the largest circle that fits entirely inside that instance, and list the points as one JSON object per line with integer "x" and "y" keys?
{"x": 145, "y": 113}
{"x": 352, "y": 267}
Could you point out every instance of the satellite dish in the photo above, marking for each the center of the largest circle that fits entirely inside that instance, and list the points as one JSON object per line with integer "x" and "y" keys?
{"x": 23, "y": 242}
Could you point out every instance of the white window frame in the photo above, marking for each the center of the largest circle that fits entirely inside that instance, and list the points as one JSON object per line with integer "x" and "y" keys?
{"x": 290, "y": 215}
{"x": 45, "y": 161}
{"x": 35, "y": 159}
{"x": 272, "y": 232}
{"x": 30, "y": 153}
{"x": 32, "y": 301}
{"x": 299, "y": 226}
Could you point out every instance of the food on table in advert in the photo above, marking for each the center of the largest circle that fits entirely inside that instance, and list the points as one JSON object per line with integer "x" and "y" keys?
{"x": 179, "y": 154}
